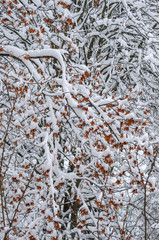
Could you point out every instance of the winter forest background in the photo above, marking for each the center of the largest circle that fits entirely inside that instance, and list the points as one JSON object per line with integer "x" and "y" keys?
{"x": 79, "y": 119}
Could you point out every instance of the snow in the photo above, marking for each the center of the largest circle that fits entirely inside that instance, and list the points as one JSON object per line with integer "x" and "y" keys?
{"x": 152, "y": 180}
{"x": 52, "y": 115}
{"x": 38, "y": 3}
{"x": 150, "y": 150}
{"x": 19, "y": 53}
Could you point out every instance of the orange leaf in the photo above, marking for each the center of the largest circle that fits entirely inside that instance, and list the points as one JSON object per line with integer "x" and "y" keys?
{"x": 9, "y": 12}
{"x": 134, "y": 191}
{"x": 26, "y": 57}
{"x": 63, "y": 4}
{"x": 118, "y": 182}
{"x": 107, "y": 138}
{"x": 92, "y": 123}
{"x": 79, "y": 227}
{"x": 103, "y": 230}
{"x": 86, "y": 74}
{"x": 38, "y": 179}
{"x": 31, "y": 30}
{"x": 68, "y": 20}
{"x": 78, "y": 201}
{"x": 49, "y": 21}
{"x": 120, "y": 110}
